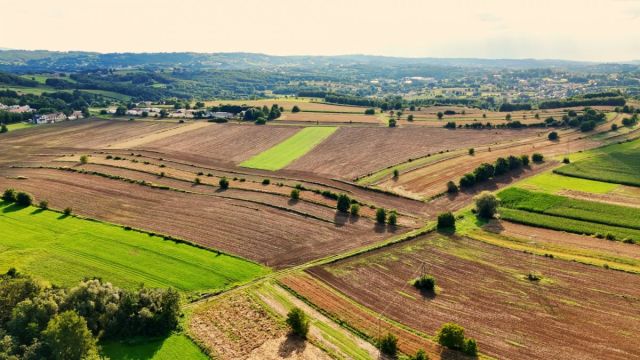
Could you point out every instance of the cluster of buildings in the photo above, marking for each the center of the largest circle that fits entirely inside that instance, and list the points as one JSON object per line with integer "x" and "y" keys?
{"x": 16, "y": 108}
{"x": 175, "y": 113}
{"x": 56, "y": 117}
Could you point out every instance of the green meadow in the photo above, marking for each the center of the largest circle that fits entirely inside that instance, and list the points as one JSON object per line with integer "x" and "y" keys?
{"x": 19, "y": 126}
{"x": 62, "y": 250}
{"x": 176, "y": 346}
{"x": 552, "y": 183}
{"x": 290, "y": 149}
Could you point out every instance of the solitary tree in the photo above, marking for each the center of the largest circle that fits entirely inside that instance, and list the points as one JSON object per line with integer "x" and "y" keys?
{"x": 84, "y": 159}
{"x": 452, "y": 188}
{"x": 446, "y": 220}
{"x": 486, "y": 204}
{"x": 295, "y": 194}
{"x": 343, "y": 203}
{"x": 355, "y": 209}
{"x": 388, "y": 345}
{"x": 224, "y": 183}
{"x": 298, "y": 322}
{"x": 392, "y": 219}
{"x": 440, "y": 114}
{"x": 24, "y": 199}
{"x": 381, "y": 216}
{"x": 553, "y": 136}
{"x": 295, "y": 109}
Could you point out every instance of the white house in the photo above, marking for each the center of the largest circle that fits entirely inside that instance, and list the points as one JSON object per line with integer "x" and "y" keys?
{"x": 50, "y": 118}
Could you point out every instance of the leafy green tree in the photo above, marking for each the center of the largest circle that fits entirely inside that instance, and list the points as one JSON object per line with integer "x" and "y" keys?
{"x": 295, "y": 194}
{"x": 14, "y": 288}
{"x": 392, "y": 219}
{"x": 9, "y": 195}
{"x": 343, "y": 203}
{"x": 396, "y": 173}
{"x": 31, "y": 316}
{"x": 24, "y": 199}
{"x": 295, "y": 109}
{"x": 472, "y": 151}
{"x": 451, "y": 336}
{"x": 425, "y": 283}
{"x": 164, "y": 113}
{"x": 381, "y": 216}
{"x": 440, "y": 114}
{"x": 553, "y": 136}
{"x": 514, "y": 162}
{"x": 468, "y": 180}
{"x": 420, "y": 355}
{"x": 452, "y": 188}
{"x": 68, "y": 338}
{"x": 298, "y": 322}
{"x": 370, "y": 111}
{"x": 3, "y": 129}
{"x": 96, "y": 302}
{"x": 392, "y": 122}
{"x": 84, "y": 159}
{"x": 355, "y": 209}
{"x": 223, "y": 183}
{"x": 446, "y": 220}
{"x": 501, "y": 167}
{"x": 525, "y": 160}
{"x": 388, "y": 345}
{"x": 537, "y": 157}
{"x": 410, "y": 117}
{"x": 486, "y": 204}
{"x": 121, "y": 111}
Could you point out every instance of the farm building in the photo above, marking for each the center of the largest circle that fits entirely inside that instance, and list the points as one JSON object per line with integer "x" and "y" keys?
{"x": 50, "y": 118}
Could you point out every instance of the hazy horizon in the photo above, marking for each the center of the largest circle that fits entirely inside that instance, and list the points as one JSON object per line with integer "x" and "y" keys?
{"x": 593, "y": 30}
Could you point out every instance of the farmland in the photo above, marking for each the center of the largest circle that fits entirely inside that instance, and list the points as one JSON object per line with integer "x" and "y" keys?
{"x": 63, "y": 250}
{"x": 289, "y": 150}
{"x": 488, "y": 289}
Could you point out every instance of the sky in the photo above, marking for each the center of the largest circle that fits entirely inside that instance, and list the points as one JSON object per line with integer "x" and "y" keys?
{"x": 595, "y": 30}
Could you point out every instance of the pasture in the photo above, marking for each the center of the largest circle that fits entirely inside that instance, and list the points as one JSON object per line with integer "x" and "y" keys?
{"x": 176, "y": 346}
{"x": 62, "y": 250}
{"x": 290, "y": 149}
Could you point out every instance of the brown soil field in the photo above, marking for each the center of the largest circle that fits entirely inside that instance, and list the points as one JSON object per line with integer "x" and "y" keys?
{"x": 431, "y": 180}
{"x": 377, "y": 148}
{"x": 90, "y": 133}
{"x": 238, "y": 327}
{"x": 624, "y": 195}
{"x": 573, "y": 243}
{"x": 575, "y": 311}
{"x": 288, "y": 103}
{"x": 226, "y": 142}
{"x": 316, "y": 117}
{"x": 261, "y": 227}
{"x": 361, "y": 319}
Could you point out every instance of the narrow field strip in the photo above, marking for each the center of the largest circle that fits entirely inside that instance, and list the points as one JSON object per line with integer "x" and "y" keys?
{"x": 64, "y": 250}
{"x": 290, "y": 149}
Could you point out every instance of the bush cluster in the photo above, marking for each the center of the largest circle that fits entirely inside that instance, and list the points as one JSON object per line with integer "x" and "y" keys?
{"x": 487, "y": 171}
{"x": 425, "y": 283}
{"x": 452, "y": 336}
{"x": 20, "y": 198}
{"x": 44, "y": 323}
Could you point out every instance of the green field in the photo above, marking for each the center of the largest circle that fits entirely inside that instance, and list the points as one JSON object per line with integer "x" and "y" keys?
{"x": 618, "y": 164}
{"x": 555, "y": 205}
{"x": 176, "y": 346}
{"x": 290, "y": 149}
{"x": 553, "y": 183}
{"x": 566, "y": 224}
{"x": 64, "y": 249}
{"x": 18, "y": 126}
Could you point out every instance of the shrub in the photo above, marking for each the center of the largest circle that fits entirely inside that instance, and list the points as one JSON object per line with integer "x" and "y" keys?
{"x": 266, "y": 181}
{"x": 355, "y": 209}
{"x": 452, "y": 188}
{"x": 295, "y": 109}
{"x": 440, "y": 114}
{"x": 223, "y": 183}
{"x": 553, "y": 136}
{"x": 470, "y": 347}
{"x": 484, "y": 172}
{"x": 44, "y": 204}
{"x": 67, "y": 211}
{"x": 420, "y": 355}
{"x": 9, "y": 195}
{"x": 261, "y": 121}
{"x": 84, "y": 159}
{"x": 537, "y": 157}
{"x": 410, "y": 117}
{"x": 370, "y": 111}
{"x": 514, "y": 162}
{"x": 24, "y": 199}
{"x": 197, "y": 181}
{"x": 295, "y": 194}
{"x": 388, "y": 345}
{"x": 343, "y": 203}
{"x": 451, "y": 336}
{"x": 472, "y": 151}
{"x": 3, "y": 129}
{"x": 381, "y": 216}
{"x": 425, "y": 283}
{"x": 486, "y": 204}
{"x": 392, "y": 123}
{"x": 446, "y": 220}
{"x": 566, "y": 160}
{"x": 468, "y": 180}
{"x": 525, "y": 160}
{"x": 614, "y": 127}
{"x": 298, "y": 322}
{"x": 502, "y": 166}
{"x": 392, "y": 219}
{"x": 396, "y": 173}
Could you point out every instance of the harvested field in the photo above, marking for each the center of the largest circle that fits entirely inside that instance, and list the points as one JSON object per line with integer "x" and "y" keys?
{"x": 376, "y": 148}
{"x": 148, "y": 138}
{"x": 86, "y": 133}
{"x": 254, "y": 229}
{"x": 318, "y": 117}
{"x": 431, "y": 179}
{"x": 224, "y": 142}
{"x": 587, "y": 312}
{"x": 305, "y": 104}
{"x": 553, "y": 240}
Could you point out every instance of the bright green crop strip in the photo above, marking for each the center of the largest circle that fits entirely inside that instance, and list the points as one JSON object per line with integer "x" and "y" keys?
{"x": 63, "y": 250}
{"x": 290, "y": 149}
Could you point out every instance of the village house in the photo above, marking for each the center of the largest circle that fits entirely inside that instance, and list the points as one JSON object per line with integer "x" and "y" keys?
{"x": 20, "y": 109}
{"x": 50, "y": 118}
{"x": 75, "y": 115}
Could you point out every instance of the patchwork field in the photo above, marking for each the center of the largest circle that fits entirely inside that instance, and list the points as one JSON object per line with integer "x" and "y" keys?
{"x": 290, "y": 149}
{"x": 588, "y": 312}
{"x": 63, "y": 250}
